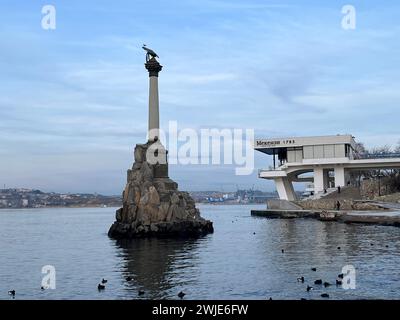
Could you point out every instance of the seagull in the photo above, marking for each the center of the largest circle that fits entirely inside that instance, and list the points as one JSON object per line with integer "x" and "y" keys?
{"x": 101, "y": 287}
{"x": 150, "y": 52}
{"x": 181, "y": 294}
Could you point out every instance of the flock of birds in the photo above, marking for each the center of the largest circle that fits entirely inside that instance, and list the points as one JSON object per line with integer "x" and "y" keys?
{"x": 101, "y": 286}
{"x": 339, "y": 281}
{"x": 319, "y": 282}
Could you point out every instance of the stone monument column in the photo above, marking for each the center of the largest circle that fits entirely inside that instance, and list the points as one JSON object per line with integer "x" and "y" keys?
{"x": 153, "y": 67}
{"x": 152, "y": 205}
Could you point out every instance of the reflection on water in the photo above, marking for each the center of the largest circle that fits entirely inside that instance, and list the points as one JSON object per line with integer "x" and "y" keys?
{"x": 243, "y": 259}
{"x": 152, "y": 262}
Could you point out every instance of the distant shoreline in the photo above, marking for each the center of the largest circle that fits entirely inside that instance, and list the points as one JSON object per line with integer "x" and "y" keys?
{"x": 20, "y": 198}
{"x": 62, "y": 207}
{"x": 118, "y": 206}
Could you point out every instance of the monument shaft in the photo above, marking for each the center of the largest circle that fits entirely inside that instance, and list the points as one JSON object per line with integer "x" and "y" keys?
{"x": 154, "y": 111}
{"x": 154, "y": 68}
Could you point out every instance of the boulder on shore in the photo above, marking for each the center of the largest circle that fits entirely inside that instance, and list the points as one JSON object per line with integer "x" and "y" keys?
{"x": 152, "y": 204}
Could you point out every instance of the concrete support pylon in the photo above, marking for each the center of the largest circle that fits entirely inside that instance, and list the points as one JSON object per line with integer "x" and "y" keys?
{"x": 154, "y": 113}
{"x": 340, "y": 177}
{"x": 326, "y": 178}
{"x": 285, "y": 189}
{"x": 320, "y": 180}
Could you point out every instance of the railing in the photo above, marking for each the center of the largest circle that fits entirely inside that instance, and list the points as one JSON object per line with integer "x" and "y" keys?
{"x": 269, "y": 169}
{"x": 378, "y": 155}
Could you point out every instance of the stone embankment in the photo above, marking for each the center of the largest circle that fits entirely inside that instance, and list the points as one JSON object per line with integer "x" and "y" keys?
{"x": 331, "y": 204}
{"x": 351, "y": 211}
{"x": 378, "y": 218}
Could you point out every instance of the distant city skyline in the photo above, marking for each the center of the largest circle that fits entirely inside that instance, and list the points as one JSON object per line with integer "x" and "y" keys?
{"x": 73, "y": 100}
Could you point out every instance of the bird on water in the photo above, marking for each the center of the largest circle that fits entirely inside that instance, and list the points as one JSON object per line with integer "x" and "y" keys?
{"x": 181, "y": 294}
{"x": 101, "y": 287}
{"x": 11, "y": 293}
{"x": 314, "y": 269}
{"x": 103, "y": 281}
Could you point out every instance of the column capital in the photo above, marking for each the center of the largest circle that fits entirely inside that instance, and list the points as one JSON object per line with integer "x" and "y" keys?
{"x": 153, "y": 67}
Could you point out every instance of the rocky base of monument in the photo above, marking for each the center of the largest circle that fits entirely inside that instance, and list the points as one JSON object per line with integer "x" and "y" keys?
{"x": 152, "y": 204}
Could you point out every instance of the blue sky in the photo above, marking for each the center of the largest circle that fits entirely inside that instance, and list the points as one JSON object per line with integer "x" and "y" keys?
{"x": 73, "y": 101}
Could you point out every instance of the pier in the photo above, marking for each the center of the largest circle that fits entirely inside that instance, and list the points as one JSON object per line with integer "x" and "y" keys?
{"x": 386, "y": 217}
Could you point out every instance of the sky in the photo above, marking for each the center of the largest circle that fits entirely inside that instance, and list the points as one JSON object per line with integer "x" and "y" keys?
{"x": 73, "y": 101}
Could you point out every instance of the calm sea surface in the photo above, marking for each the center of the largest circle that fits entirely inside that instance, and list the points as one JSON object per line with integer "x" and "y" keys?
{"x": 241, "y": 260}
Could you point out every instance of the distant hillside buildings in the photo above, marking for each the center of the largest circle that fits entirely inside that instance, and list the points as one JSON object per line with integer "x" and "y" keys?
{"x": 28, "y": 198}
{"x": 246, "y": 196}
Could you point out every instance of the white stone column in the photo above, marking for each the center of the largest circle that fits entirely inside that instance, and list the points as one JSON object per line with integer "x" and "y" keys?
{"x": 340, "y": 178}
{"x": 154, "y": 111}
{"x": 285, "y": 189}
{"x": 154, "y": 68}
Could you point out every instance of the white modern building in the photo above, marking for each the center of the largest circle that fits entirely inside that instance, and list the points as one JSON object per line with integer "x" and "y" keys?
{"x": 329, "y": 158}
